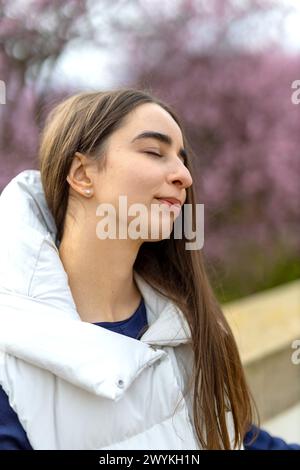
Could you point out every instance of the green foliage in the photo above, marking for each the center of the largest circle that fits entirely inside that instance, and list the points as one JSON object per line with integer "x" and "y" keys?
{"x": 251, "y": 272}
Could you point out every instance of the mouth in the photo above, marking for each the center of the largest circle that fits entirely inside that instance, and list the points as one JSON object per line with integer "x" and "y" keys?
{"x": 171, "y": 201}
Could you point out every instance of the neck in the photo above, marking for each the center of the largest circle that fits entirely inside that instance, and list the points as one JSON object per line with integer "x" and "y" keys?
{"x": 100, "y": 274}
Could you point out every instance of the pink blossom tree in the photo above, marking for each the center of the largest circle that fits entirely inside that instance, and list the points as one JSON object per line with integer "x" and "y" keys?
{"x": 236, "y": 105}
{"x": 34, "y": 35}
{"x": 230, "y": 80}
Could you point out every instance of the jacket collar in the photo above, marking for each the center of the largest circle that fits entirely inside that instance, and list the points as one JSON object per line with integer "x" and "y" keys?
{"x": 167, "y": 324}
{"x": 39, "y": 321}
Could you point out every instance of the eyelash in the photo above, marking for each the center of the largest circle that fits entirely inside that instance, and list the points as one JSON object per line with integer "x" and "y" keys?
{"x": 152, "y": 153}
{"x": 158, "y": 155}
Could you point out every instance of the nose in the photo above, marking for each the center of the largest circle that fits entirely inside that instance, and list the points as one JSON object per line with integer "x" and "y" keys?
{"x": 180, "y": 175}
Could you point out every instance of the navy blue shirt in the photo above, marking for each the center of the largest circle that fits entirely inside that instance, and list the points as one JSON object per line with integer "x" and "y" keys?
{"x": 132, "y": 326}
{"x": 265, "y": 441}
{"x": 13, "y": 436}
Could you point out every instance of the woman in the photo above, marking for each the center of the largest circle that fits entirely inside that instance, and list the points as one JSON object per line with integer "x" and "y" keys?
{"x": 174, "y": 379}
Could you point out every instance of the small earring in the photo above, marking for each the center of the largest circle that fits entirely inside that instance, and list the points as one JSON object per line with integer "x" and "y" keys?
{"x": 88, "y": 192}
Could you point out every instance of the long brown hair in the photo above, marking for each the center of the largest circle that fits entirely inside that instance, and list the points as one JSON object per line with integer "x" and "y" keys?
{"x": 83, "y": 123}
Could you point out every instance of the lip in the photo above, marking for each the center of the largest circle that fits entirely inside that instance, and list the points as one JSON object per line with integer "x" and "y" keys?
{"x": 170, "y": 200}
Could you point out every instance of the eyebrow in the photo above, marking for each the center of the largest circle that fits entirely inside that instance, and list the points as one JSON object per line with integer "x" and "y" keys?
{"x": 166, "y": 139}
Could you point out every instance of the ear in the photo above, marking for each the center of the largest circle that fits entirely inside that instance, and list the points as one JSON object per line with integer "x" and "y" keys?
{"x": 78, "y": 176}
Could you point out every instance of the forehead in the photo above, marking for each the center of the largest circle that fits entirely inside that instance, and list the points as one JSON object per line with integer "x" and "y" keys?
{"x": 152, "y": 117}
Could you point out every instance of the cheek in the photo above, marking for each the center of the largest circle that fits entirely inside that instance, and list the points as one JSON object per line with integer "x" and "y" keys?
{"x": 141, "y": 182}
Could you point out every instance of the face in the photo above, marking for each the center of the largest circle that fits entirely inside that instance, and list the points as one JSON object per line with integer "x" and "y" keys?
{"x": 145, "y": 170}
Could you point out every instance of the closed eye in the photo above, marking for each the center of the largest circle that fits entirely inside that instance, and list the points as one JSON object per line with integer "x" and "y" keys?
{"x": 153, "y": 153}
{"x": 158, "y": 155}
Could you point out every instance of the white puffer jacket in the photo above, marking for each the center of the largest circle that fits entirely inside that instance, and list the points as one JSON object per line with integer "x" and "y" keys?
{"x": 75, "y": 385}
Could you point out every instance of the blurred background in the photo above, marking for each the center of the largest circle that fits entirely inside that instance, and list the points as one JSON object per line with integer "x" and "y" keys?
{"x": 227, "y": 66}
